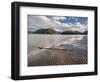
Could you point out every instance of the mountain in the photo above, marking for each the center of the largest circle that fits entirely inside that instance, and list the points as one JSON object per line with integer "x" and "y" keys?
{"x": 71, "y": 32}
{"x": 53, "y": 31}
{"x": 46, "y": 31}
{"x": 86, "y": 32}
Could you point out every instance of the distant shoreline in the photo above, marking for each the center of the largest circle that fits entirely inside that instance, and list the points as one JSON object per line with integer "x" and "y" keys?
{"x": 57, "y": 34}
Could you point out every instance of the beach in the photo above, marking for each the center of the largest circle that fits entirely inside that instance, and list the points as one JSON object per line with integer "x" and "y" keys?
{"x": 48, "y": 50}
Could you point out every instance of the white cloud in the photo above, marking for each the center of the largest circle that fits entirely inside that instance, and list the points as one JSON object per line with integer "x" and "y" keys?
{"x": 41, "y": 21}
{"x": 38, "y": 22}
{"x": 76, "y": 19}
{"x": 58, "y": 18}
{"x": 73, "y": 18}
{"x": 79, "y": 27}
{"x": 44, "y": 22}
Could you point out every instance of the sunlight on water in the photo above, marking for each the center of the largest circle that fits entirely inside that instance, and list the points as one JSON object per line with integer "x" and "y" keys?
{"x": 55, "y": 41}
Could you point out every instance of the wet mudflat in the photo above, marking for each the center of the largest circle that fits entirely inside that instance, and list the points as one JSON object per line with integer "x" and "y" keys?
{"x": 45, "y": 50}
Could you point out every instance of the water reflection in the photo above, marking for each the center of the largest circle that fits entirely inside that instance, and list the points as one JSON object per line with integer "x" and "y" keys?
{"x": 51, "y": 43}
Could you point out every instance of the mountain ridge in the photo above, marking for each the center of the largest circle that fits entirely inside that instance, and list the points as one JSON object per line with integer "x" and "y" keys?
{"x": 52, "y": 31}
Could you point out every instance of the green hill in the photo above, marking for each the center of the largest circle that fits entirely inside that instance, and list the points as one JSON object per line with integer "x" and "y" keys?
{"x": 45, "y": 31}
{"x": 52, "y": 31}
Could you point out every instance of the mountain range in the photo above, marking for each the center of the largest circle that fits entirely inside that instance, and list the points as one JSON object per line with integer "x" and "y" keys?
{"x": 52, "y": 31}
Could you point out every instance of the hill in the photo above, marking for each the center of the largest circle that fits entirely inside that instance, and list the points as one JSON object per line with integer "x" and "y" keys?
{"x": 45, "y": 31}
{"x": 52, "y": 31}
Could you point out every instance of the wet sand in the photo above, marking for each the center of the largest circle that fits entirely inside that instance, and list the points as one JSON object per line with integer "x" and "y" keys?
{"x": 58, "y": 57}
{"x": 65, "y": 54}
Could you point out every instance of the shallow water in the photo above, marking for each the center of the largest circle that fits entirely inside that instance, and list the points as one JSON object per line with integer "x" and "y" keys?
{"x": 41, "y": 57}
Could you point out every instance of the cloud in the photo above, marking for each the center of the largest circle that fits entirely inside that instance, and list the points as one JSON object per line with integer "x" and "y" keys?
{"x": 38, "y": 22}
{"x": 44, "y": 22}
{"x": 57, "y": 18}
{"x": 75, "y": 19}
{"x": 41, "y": 21}
{"x": 79, "y": 27}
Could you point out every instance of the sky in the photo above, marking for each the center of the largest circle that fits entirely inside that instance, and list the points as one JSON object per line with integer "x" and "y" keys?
{"x": 58, "y": 23}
